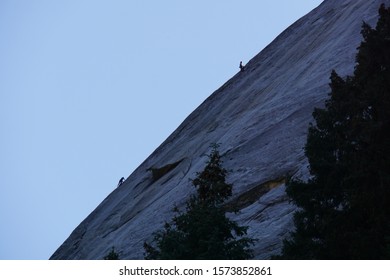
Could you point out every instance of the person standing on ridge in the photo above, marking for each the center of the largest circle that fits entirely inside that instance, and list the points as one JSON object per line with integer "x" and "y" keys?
{"x": 242, "y": 67}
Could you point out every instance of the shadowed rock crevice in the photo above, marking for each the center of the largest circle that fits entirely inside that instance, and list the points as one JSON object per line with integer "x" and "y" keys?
{"x": 252, "y": 195}
{"x": 158, "y": 172}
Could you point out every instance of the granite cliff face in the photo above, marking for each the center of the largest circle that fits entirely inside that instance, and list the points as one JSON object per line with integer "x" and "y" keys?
{"x": 260, "y": 117}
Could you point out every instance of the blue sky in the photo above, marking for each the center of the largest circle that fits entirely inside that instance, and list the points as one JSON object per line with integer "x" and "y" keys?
{"x": 88, "y": 90}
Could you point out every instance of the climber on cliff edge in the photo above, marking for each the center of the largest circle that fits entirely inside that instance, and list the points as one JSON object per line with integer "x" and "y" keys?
{"x": 121, "y": 181}
{"x": 242, "y": 67}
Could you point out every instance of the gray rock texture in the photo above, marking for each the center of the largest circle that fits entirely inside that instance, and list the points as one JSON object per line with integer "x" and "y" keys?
{"x": 260, "y": 117}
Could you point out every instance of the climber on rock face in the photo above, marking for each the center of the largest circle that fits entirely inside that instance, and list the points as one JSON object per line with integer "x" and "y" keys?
{"x": 121, "y": 181}
{"x": 242, "y": 67}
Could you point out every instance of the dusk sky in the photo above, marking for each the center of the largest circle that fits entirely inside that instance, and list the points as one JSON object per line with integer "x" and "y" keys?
{"x": 89, "y": 89}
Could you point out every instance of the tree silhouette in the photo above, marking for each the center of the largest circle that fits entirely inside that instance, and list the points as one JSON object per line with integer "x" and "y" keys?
{"x": 345, "y": 206}
{"x": 203, "y": 231}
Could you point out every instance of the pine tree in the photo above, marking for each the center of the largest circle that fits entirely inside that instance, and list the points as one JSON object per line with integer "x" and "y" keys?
{"x": 112, "y": 255}
{"x": 203, "y": 231}
{"x": 345, "y": 206}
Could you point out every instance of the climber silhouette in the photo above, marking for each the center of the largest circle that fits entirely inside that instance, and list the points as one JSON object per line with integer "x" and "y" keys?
{"x": 242, "y": 67}
{"x": 121, "y": 181}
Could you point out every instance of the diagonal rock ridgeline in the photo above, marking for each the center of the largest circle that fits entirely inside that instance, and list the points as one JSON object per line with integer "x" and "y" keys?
{"x": 260, "y": 117}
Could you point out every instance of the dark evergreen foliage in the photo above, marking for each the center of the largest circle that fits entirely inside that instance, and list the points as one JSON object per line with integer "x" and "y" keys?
{"x": 203, "y": 231}
{"x": 210, "y": 183}
{"x": 112, "y": 255}
{"x": 345, "y": 206}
